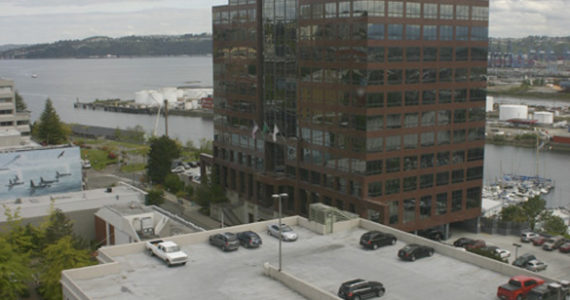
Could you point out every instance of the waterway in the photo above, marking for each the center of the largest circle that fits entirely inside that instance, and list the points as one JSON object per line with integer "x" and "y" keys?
{"x": 66, "y": 80}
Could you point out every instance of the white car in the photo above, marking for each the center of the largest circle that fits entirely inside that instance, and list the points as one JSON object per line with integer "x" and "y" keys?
{"x": 535, "y": 265}
{"x": 503, "y": 253}
{"x": 287, "y": 232}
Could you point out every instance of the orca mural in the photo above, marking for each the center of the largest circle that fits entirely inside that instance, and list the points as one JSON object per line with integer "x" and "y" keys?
{"x": 39, "y": 172}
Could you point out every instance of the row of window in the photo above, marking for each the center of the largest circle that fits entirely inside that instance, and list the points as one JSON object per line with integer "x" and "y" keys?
{"x": 380, "y": 31}
{"x": 389, "y": 143}
{"x": 426, "y": 181}
{"x": 314, "y": 95}
{"x": 391, "y": 121}
{"x": 428, "y": 204}
{"x": 234, "y": 16}
{"x": 372, "y": 77}
{"x": 392, "y": 54}
{"x": 395, "y": 9}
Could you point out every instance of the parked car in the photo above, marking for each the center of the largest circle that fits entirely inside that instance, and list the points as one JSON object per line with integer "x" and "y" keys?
{"x": 168, "y": 251}
{"x": 518, "y": 287}
{"x": 287, "y": 233}
{"x": 552, "y": 291}
{"x": 432, "y": 234}
{"x": 540, "y": 240}
{"x": 522, "y": 260}
{"x": 468, "y": 243}
{"x": 249, "y": 239}
{"x": 502, "y": 253}
{"x": 535, "y": 265}
{"x": 361, "y": 289}
{"x": 565, "y": 248}
{"x": 527, "y": 236}
{"x": 226, "y": 241}
{"x": 375, "y": 239}
{"x": 461, "y": 242}
{"x": 413, "y": 251}
{"x": 555, "y": 244}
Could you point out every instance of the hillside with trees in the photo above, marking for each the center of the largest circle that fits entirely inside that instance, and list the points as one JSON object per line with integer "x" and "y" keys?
{"x": 130, "y": 46}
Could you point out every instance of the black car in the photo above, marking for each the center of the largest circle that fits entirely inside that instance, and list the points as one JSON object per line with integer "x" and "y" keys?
{"x": 463, "y": 242}
{"x": 413, "y": 251}
{"x": 522, "y": 260}
{"x": 249, "y": 239}
{"x": 432, "y": 234}
{"x": 226, "y": 241}
{"x": 375, "y": 239}
{"x": 360, "y": 289}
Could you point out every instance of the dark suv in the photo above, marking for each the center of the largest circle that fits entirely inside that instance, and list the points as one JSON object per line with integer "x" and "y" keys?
{"x": 432, "y": 234}
{"x": 462, "y": 242}
{"x": 249, "y": 239}
{"x": 360, "y": 289}
{"x": 375, "y": 239}
{"x": 522, "y": 260}
{"x": 227, "y": 241}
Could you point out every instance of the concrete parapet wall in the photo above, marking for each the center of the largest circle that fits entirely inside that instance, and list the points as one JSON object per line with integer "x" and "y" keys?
{"x": 312, "y": 226}
{"x": 453, "y": 252}
{"x": 300, "y": 286}
{"x": 345, "y": 225}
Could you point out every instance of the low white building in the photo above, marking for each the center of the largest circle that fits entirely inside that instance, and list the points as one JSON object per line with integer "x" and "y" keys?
{"x": 544, "y": 117}
{"x": 14, "y": 126}
{"x": 512, "y": 111}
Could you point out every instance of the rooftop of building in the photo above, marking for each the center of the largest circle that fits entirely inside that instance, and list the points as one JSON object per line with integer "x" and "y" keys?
{"x": 31, "y": 207}
{"x": 321, "y": 261}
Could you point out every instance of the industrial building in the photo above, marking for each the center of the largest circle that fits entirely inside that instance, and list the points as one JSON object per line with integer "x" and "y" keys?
{"x": 14, "y": 125}
{"x": 375, "y": 107}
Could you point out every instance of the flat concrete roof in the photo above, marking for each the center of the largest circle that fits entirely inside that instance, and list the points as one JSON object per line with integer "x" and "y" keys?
{"x": 322, "y": 260}
{"x": 74, "y": 201}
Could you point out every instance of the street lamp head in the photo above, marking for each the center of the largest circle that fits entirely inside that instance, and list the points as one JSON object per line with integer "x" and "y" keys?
{"x": 284, "y": 195}
{"x": 275, "y": 196}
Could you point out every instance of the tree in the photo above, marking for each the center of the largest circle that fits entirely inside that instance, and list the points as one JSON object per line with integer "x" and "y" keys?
{"x": 173, "y": 184}
{"x": 209, "y": 192}
{"x": 58, "y": 226}
{"x": 512, "y": 213}
{"x": 16, "y": 235}
{"x": 15, "y": 272}
{"x": 57, "y": 257}
{"x": 162, "y": 151}
{"x": 154, "y": 197}
{"x": 49, "y": 128}
{"x": 554, "y": 225}
{"x": 20, "y": 104}
{"x": 532, "y": 208}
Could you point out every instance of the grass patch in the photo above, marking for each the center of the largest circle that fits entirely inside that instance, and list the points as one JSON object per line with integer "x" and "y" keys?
{"x": 99, "y": 159}
{"x": 133, "y": 168}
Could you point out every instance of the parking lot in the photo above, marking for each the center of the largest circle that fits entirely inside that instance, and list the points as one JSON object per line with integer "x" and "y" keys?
{"x": 558, "y": 263}
{"x": 323, "y": 260}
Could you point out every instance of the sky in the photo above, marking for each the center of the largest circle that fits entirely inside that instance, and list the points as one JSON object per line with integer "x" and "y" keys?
{"x": 44, "y": 21}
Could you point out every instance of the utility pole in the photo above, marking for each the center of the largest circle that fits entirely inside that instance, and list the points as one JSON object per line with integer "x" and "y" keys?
{"x": 166, "y": 117}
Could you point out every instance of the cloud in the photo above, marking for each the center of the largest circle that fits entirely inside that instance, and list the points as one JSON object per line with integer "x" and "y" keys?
{"x": 520, "y": 18}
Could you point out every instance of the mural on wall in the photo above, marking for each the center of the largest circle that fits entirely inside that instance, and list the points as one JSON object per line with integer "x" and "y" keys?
{"x": 39, "y": 172}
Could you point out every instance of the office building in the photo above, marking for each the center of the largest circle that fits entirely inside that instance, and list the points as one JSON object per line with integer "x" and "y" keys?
{"x": 374, "y": 107}
{"x": 14, "y": 125}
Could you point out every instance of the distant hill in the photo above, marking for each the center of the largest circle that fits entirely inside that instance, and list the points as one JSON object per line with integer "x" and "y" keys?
{"x": 100, "y": 46}
{"x": 559, "y": 45}
{"x": 10, "y": 46}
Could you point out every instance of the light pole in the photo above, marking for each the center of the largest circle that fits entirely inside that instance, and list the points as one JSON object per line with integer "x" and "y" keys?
{"x": 279, "y": 197}
{"x": 517, "y": 246}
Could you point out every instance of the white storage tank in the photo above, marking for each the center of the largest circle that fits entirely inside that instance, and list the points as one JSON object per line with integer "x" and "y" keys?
{"x": 544, "y": 117}
{"x": 142, "y": 98}
{"x": 512, "y": 111}
{"x": 156, "y": 98}
{"x": 170, "y": 94}
{"x": 490, "y": 102}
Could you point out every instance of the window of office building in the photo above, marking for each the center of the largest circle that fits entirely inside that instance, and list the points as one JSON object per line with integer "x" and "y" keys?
{"x": 344, "y": 9}
{"x": 456, "y": 200}
{"x": 427, "y": 139}
{"x": 442, "y": 178}
{"x": 443, "y": 158}
{"x": 392, "y": 186}
{"x": 375, "y": 189}
{"x": 412, "y": 32}
{"x": 393, "y": 143}
{"x": 428, "y": 97}
{"x": 479, "y": 13}
{"x": 425, "y": 206}
{"x": 413, "y": 10}
{"x": 458, "y": 156}
{"x": 479, "y": 33}
{"x": 375, "y": 31}
{"x": 412, "y": 77}
{"x": 457, "y": 176}
{"x": 443, "y": 117}
{"x": 461, "y": 33}
{"x": 411, "y": 120}
{"x": 428, "y": 118}
{"x": 459, "y": 136}
{"x": 410, "y": 163}
{"x": 441, "y": 204}
{"x": 445, "y": 33}
{"x": 462, "y": 54}
{"x": 376, "y": 54}
{"x": 374, "y": 144}
{"x": 395, "y": 9}
{"x": 395, "y": 54}
{"x": 330, "y": 10}
{"x": 395, "y": 78}
{"x": 473, "y": 198}
{"x": 446, "y": 11}
{"x": 443, "y": 137}
{"x": 409, "y": 210}
{"x": 445, "y": 96}
{"x": 430, "y": 54}
{"x": 411, "y": 141}
{"x": 410, "y": 183}
{"x": 462, "y": 12}
{"x": 427, "y": 161}
{"x": 395, "y": 31}
{"x": 393, "y": 165}
{"x": 375, "y": 100}
{"x": 474, "y": 173}
{"x": 394, "y": 208}
{"x": 373, "y": 167}
{"x": 430, "y": 11}
{"x": 445, "y": 53}
{"x": 426, "y": 181}
{"x": 430, "y": 32}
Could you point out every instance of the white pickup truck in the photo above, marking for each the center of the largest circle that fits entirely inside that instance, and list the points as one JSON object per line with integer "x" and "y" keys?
{"x": 168, "y": 251}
